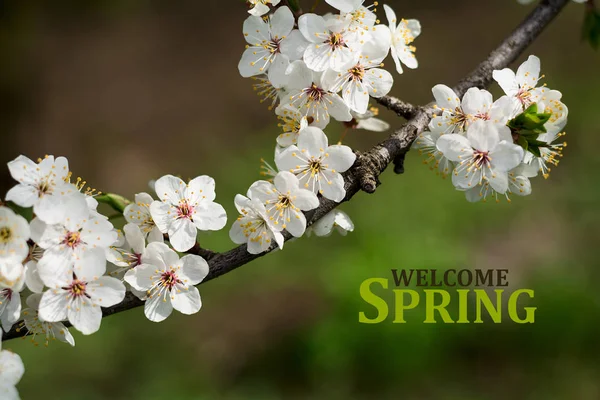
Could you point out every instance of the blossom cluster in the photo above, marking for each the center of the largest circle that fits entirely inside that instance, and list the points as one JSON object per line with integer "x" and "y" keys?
{"x": 493, "y": 148}
{"x": 321, "y": 67}
{"x": 312, "y": 69}
{"x": 68, "y": 261}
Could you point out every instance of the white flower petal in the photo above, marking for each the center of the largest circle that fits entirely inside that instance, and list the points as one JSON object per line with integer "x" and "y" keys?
{"x": 106, "y": 291}
{"x": 339, "y": 158}
{"x": 186, "y": 301}
{"x": 85, "y": 316}
{"x": 170, "y": 189}
{"x": 282, "y": 22}
{"x": 158, "y": 308}
{"x": 193, "y": 269}
{"x": 53, "y": 305}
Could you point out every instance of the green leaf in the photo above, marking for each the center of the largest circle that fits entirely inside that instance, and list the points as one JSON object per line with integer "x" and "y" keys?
{"x": 590, "y": 31}
{"x": 529, "y": 124}
{"x": 522, "y": 141}
{"x": 117, "y": 202}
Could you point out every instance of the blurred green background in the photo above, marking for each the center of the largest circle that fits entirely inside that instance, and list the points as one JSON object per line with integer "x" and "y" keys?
{"x": 132, "y": 90}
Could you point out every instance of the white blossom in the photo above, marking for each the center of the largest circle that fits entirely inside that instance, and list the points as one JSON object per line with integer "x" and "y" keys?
{"x": 43, "y": 187}
{"x": 521, "y": 85}
{"x": 79, "y": 295}
{"x": 272, "y": 45}
{"x": 47, "y": 330}
{"x": 402, "y": 33}
{"x": 69, "y": 241}
{"x": 317, "y": 165}
{"x": 138, "y": 213}
{"x": 185, "y": 208}
{"x": 487, "y": 153}
{"x": 11, "y": 372}
{"x": 253, "y": 226}
{"x": 284, "y": 202}
{"x": 168, "y": 281}
{"x": 130, "y": 253}
{"x": 332, "y": 46}
{"x": 364, "y": 78}
{"x": 549, "y": 101}
{"x": 292, "y": 121}
{"x": 314, "y": 100}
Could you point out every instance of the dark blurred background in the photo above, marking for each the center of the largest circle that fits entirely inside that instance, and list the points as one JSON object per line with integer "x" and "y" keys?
{"x": 132, "y": 90}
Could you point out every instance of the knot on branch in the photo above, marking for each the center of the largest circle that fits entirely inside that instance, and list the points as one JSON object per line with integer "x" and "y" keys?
{"x": 367, "y": 170}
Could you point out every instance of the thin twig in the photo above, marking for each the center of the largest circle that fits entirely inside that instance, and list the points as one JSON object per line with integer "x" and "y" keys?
{"x": 402, "y": 108}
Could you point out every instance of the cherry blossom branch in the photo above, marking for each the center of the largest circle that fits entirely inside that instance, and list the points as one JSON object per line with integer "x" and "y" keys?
{"x": 395, "y": 147}
{"x": 364, "y": 175}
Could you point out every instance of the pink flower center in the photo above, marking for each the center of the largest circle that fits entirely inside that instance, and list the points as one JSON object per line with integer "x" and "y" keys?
{"x": 169, "y": 279}
{"x": 185, "y": 210}
{"x": 524, "y": 96}
{"x": 137, "y": 260}
{"x": 481, "y": 159}
{"x": 77, "y": 288}
{"x": 335, "y": 41}
{"x": 72, "y": 239}
{"x": 274, "y": 46}
{"x": 357, "y": 73}
{"x": 315, "y": 93}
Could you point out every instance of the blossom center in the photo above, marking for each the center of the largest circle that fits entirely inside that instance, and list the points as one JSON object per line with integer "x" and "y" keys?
{"x": 169, "y": 279}
{"x": 481, "y": 159}
{"x": 314, "y": 166}
{"x": 274, "y": 46}
{"x": 44, "y": 188}
{"x": 5, "y": 234}
{"x": 77, "y": 288}
{"x": 459, "y": 119}
{"x": 72, "y": 239}
{"x": 137, "y": 260}
{"x": 315, "y": 93}
{"x": 335, "y": 41}
{"x": 284, "y": 201}
{"x": 185, "y": 210}
{"x": 357, "y": 73}
{"x": 524, "y": 96}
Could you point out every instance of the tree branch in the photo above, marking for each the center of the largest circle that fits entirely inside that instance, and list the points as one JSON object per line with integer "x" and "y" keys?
{"x": 402, "y": 108}
{"x": 364, "y": 175}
